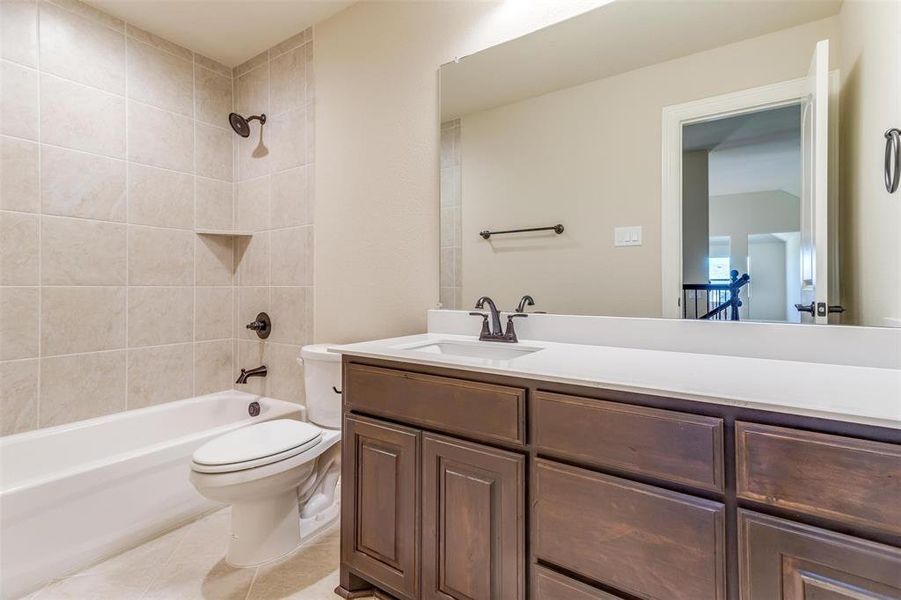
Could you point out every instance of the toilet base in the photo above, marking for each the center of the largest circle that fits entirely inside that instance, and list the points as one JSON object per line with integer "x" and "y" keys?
{"x": 263, "y": 530}
{"x": 250, "y": 549}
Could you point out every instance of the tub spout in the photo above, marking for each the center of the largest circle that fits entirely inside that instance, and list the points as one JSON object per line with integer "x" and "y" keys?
{"x": 258, "y": 372}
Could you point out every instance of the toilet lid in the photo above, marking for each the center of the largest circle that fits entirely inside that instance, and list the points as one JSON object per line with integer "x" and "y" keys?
{"x": 269, "y": 439}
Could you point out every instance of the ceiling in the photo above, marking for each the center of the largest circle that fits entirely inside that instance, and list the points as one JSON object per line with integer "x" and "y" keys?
{"x": 615, "y": 38}
{"x": 754, "y": 152}
{"x": 228, "y": 31}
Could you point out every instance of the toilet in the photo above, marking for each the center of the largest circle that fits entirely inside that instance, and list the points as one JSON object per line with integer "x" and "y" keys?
{"x": 279, "y": 476}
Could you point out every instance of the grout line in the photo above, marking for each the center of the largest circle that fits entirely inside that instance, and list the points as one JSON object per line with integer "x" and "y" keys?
{"x": 127, "y": 232}
{"x": 37, "y": 409}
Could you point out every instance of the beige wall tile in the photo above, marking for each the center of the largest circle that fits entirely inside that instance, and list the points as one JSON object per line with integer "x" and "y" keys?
{"x": 82, "y": 252}
{"x": 19, "y": 170}
{"x": 67, "y": 395}
{"x": 213, "y": 367}
{"x": 215, "y": 259}
{"x": 160, "y": 78}
{"x": 213, "y": 204}
{"x": 18, "y": 396}
{"x": 252, "y": 153}
{"x": 288, "y": 145}
{"x": 447, "y": 267}
{"x": 252, "y": 259}
{"x": 160, "y": 138}
{"x": 210, "y": 64}
{"x": 76, "y": 184}
{"x": 82, "y": 319}
{"x": 160, "y": 256}
{"x": 18, "y": 101}
{"x": 81, "y": 49}
{"x": 249, "y": 302}
{"x": 160, "y": 374}
{"x": 292, "y": 256}
{"x": 160, "y": 197}
{"x": 252, "y": 92}
{"x": 250, "y": 64}
{"x": 19, "y": 234}
{"x": 89, "y": 12}
{"x": 214, "y": 310}
{"x": 213, "y": 96}
{"x": 291, "y": 43}
{"x": 214, "y": 152}
{"x": 288, "y": 84}
{"x": 285, "y": 374}
{"x": 291, "y": 202}
{"x": 292, "y": 309}
{"x": 19, "y": 322}
{"x": 160, "y": 315}
{"x": 252, "y": 204}
{"x": 158, "y": 42}
{"x": 82, "y": 118}
{"x": 18, "y": 32}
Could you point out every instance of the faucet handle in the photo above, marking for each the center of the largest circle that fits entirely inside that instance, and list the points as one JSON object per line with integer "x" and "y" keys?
{"x": 510, "y": 332}
{"x": 485, "y": 329}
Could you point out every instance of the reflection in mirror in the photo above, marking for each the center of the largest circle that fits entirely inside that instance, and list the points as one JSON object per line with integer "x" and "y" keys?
{"x": 729, "y": 166}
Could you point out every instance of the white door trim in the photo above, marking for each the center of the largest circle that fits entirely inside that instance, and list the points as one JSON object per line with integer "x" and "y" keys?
{"x": 674, "y": 117}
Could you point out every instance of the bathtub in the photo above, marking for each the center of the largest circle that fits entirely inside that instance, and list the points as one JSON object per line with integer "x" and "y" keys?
{"x": 74, "y": 494}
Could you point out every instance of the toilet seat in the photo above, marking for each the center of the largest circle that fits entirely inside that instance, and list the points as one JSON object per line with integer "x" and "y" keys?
{"x": 256, "y": 446}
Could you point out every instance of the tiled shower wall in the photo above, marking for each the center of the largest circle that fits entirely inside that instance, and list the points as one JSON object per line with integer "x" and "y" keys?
{"x": 451, "y": 237}
{"x": 114, "y": 148}
{"x": 273, "y": 199}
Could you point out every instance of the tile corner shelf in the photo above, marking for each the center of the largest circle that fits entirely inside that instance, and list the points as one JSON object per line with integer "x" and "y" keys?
{"x": 225, "y": 232}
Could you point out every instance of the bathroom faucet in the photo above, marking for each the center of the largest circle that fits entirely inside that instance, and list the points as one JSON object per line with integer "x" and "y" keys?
{"x": 494, "y": 332}
{"x": 258, "y": 372}
{"x": 525, "y": 301}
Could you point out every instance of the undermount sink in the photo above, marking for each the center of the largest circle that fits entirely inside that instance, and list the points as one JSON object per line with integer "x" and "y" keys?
{"x": 484, "y": 350}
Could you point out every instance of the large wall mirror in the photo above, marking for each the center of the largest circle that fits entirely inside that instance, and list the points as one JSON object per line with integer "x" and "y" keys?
{"x": 695, "y": 160}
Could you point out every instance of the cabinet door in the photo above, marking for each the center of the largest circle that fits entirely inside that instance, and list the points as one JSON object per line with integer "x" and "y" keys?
{"x": 472, "y": 521}
{"x": 791, "y": 561}
{"x": 380, "y": 534}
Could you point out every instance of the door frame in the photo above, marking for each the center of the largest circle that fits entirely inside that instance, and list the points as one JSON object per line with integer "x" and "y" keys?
{"x": 674, "y": 117}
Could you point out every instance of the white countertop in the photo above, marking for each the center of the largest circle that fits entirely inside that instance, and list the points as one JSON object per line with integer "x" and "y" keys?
{"x": 857, "y": 394}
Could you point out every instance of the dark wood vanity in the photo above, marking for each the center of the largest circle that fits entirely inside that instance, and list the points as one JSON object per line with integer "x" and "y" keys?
{"x": 462, "y": 485}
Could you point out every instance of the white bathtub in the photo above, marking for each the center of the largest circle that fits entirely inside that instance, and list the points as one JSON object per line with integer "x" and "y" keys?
{"x": 75, "y": 494}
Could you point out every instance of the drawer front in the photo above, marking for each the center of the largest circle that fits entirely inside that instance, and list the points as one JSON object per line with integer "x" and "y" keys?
{"x": 669, "y": 445}
{"x": 480, "y": 410}
{"x": 617, "y": 532}
{"x": 782, "y": 559}
{"x": 828, "y": 476}
{"x": 550, "y": 585}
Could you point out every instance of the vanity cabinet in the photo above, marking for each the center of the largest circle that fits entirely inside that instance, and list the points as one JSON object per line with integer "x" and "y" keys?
{"x": 471, "y": 486}
{"x": 380, "y": 503}
{"x": 473, "y": 504}
{"x": 792, "y": 561}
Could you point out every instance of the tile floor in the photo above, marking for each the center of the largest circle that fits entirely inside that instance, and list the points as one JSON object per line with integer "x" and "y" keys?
{"x": 188, "y": 564}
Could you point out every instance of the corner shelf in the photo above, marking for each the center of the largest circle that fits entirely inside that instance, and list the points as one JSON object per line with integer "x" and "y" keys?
{"x": 223, "y": 232}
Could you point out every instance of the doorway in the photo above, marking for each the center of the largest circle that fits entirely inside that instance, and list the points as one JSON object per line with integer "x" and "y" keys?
{"x": 741, "y": 215}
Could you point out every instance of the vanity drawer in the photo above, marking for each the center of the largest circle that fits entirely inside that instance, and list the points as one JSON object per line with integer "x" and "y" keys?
{"x": 617, "y": 532}
{"x": 834, "y": 477}
{"x": 479, "y": 410}
{"x": 550, "y": 585}
{"x": 669, "y": 445}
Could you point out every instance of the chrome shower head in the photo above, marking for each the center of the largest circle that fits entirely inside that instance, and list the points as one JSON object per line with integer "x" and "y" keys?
{"x": 241, "y": 125}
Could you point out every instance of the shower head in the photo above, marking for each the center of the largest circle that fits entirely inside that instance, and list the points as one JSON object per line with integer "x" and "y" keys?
{"x": 240, "y": 124}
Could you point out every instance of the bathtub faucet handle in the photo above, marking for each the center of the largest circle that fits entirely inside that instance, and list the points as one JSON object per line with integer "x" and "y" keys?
{"x": 262, "y": 325}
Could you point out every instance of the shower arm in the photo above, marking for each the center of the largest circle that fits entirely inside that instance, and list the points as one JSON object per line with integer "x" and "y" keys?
{"x": 261, "y": 118}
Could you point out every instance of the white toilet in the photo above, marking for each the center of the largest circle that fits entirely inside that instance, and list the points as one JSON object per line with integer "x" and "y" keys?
{"x": 279, "y": 476}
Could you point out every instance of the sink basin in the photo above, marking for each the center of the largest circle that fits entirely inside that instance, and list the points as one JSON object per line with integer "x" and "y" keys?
{"x": 483, "y": 350}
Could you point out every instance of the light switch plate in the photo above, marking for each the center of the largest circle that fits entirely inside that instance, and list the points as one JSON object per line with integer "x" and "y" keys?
{"x": 627, "y": 236}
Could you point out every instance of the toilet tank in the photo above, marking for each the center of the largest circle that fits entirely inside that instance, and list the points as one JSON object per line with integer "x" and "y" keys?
{"x": 321, "y": 373}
